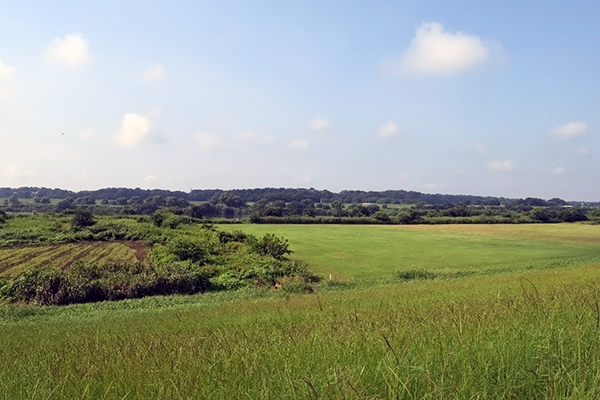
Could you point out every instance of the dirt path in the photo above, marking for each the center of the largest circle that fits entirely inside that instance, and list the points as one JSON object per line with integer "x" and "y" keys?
{"x": 140, "y": 249}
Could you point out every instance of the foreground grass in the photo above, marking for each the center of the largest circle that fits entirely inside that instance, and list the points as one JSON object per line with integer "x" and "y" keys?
{"x": 374, "y": 251}
{"x": 519, "y": 335}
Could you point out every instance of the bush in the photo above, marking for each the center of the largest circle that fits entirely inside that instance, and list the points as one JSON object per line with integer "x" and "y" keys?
{"x": 187, "y": 250}
{"x": 82, "y": 219}
{"x": 165, "y": 218}
{"x": 4, "y": 288}
{"x": 271, "y": 245}
{"x": 415, "y": 274}
{"x": 296, "y": 287}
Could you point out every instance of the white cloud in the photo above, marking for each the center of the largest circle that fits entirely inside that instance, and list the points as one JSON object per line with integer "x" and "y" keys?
{"x": 435, "y": 51}
{"x": 15, "y": 173}
{"x": 500, "y": 166}
{"x": 558, "y": 170}
{"x": 6, "y": 74}
{"x": 431, "y": 185}
{"x": 569, "y": 131}
{"x": 207, "y": 141}
{"x": 154, "y": 74}
{"x": 388, "y": 130}
{"x": 12, "y": 171}
{"x": 298, "y": 145}
{"x": 319, "y": 123}
{"x": 149, "y": 179}
{"x": 134, "y": 129}
{"x": 70, "y": 51}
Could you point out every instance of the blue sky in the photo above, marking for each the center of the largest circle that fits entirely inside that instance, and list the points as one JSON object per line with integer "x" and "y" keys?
{"x": 433, "y": 96}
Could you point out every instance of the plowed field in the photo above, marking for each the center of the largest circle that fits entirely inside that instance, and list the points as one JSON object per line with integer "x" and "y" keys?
{"x": 14, "y": 260}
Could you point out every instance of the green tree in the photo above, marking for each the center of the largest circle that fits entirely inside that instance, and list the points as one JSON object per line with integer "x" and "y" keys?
{"x": 65, "y": 204}
{"x": 539, "y": 214}
{"x": 13, "y": 201}
{"x": 270, "y": 245}
{"x": 82, "y": 218}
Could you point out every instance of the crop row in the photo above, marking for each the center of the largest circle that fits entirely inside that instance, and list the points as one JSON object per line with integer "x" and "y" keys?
{"x": 16, "y": 260}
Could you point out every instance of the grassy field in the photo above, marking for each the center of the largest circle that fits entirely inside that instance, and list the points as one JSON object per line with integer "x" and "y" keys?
{"x": 526, "y": 325}
{"x": 376, "y": 251}
{"x": 525, "y": 335}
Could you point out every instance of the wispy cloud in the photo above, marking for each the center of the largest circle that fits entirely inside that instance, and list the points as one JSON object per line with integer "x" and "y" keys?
{"x": 558, "y": 170}
{"x": 208, "y": 141}
{"x": 435, "y": 51}
{"x": 154, "y": 74}
{"x": 388, "y": 130}
{"x": 569, "y": 131}
{"x": 149, "y": 179}
{"x": 71, "y": 51}
{"x": 298, "y": 145}
{"x": 319, "y": 123}
{"x": 6, "y": 74}
{"x": 134, "y": 130}
{"x": 500, "y": 166}
{"x": 14, "y": 173}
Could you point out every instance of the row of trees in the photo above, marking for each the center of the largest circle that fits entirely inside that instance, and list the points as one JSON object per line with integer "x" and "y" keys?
{"x": 227, "y": 204}
{"x": 282, "y": 194}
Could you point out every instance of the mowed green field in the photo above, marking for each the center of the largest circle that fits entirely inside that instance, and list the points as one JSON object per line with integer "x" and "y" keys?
{"x": 376, "y": 251}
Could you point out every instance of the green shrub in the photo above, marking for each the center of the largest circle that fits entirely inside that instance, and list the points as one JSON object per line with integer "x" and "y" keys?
{"x": 188, "y": 250}
{"x": 4, "y": 288}
{"x": 84, "y": 283}
{"x": 271, "y": 245}
{"x": 82, "y": 219}
{"x": 415, "y": 274}
{"x": 296, "y": 286}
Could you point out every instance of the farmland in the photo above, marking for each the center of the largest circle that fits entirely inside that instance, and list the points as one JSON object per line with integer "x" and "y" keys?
{"x": 19, "y": 259}
{"x": 360, "y": 252}
{"x": 523, "y": 323}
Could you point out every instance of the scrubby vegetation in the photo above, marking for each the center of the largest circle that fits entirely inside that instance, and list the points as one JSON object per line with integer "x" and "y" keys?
{"x": 184, "y": 256}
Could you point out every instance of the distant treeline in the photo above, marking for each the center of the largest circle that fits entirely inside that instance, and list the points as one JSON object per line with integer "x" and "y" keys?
{"x": 286, "y": 195}
{"x": 229, "y": 207}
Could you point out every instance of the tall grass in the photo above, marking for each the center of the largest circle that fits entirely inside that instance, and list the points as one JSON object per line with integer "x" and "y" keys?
{"x": 524, "y": 335}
